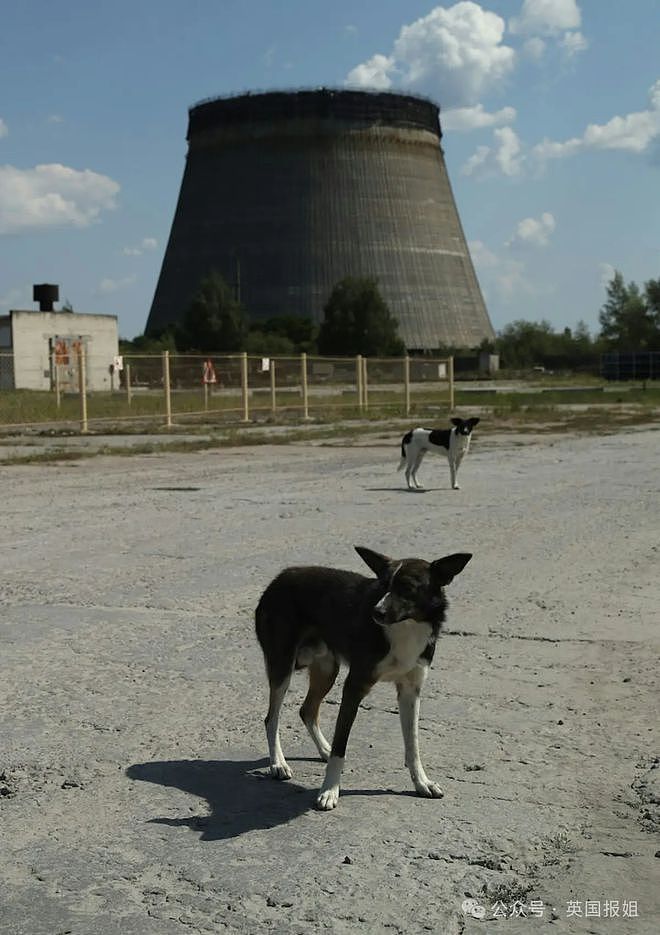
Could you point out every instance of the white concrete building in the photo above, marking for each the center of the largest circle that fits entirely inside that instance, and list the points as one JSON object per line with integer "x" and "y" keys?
{"x": 38, "y": 347}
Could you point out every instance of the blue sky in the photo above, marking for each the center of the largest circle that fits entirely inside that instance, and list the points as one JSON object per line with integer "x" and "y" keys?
{"x": 550, "y": 112}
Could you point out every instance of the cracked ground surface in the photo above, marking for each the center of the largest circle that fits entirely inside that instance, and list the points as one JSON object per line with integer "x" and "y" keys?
{"x": 133, "y": 791}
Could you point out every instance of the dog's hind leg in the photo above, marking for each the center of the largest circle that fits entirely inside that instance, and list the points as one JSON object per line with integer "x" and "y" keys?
{"x": 408, "y": 694}
{"x": 416, "y": 467}
{"x": 279, "y": 768}
{"x": 322, "y": 674}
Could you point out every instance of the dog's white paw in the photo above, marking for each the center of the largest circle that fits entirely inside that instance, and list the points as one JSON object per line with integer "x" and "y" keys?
{"x": 428, "y": 789}
{"x": 280, "y": 771}
{"x": 328, "y": 798}
{"x": 456, "y": 487}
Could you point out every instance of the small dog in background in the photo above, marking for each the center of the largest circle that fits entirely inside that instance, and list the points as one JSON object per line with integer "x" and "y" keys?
{"x": 454, "y": 443}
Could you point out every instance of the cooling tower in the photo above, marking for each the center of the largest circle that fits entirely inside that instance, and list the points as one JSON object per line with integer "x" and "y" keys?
{"x": 285, "y": 194}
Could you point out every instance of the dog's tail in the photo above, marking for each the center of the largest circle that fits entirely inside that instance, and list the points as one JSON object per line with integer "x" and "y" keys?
{"x": 407, "y": 438}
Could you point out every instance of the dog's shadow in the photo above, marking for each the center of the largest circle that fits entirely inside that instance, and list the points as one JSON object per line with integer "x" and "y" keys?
{"x": 404, "y": 489}
{"x": 240, "y": 794}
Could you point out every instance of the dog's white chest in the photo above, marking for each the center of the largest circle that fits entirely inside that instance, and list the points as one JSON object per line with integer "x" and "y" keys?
{"x": 408, "y": 640}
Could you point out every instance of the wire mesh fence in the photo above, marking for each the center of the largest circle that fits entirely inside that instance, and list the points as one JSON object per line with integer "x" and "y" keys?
{"x": 163, "y": 389}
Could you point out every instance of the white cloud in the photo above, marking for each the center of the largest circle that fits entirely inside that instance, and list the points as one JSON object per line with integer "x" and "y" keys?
{"x": 546, "y": 17}
{"x": 502, "y": 274}
{"x": 55, "y": 118}
{"x": 473, "y": 118}
{"x": 350, "y": 30}
{"x": 52, "y": 196}
{"x": 108, "y": 286}
{"x": 607, "y": 273}
{"x": 482, "y": 256}
{"x": 147, "y": 243}
{"x": 453, "y": 53}
{"x": 374, "y": 73}
{"x": 633, "y": 133}
{"x": 504, "y": 157}
{"x": 4, "y": 129}
{"x": 572, "y": 43}
{"x": 558, "y": 20}
{"x": 534, "y": 48}
{"x": 534, "y": 231}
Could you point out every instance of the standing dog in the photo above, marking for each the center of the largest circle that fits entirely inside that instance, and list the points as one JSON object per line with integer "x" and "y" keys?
{"x": 454, "y": 443}
{"x": 383, "y": 628}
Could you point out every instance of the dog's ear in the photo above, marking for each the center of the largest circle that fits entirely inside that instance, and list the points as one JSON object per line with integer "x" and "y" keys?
{"x": 381, "y": 565}
{"x": 456, "y": 422}
{"x": 474, "y": 421}
{"x": 445, "y": 569}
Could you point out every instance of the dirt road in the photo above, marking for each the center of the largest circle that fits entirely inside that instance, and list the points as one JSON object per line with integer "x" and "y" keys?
{"x": 133, "y": 794}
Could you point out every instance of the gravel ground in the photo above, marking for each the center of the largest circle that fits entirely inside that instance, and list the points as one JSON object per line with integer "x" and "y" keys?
{"x": 133, "y": 791}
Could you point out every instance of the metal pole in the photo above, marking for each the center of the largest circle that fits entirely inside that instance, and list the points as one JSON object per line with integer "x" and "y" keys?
{"x": 365, "y": 383}
{"x": 244, "y": 387}
{"x": 82, "y": 385}
{"x": 406, "y": 380}
{"x": 127, "y": 377}
{"x": 206, "y": 396}
{"x": 303, "y": 378}
{"x": 450, "y": 373}
{"x": 166, "y": 389}
{"x": 273, "y": 390}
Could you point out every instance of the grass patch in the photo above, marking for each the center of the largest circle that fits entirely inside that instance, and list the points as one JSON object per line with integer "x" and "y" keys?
{"x": 341, "y": 424}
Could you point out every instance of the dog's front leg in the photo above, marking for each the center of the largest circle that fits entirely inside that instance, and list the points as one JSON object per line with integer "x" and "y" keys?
{"x": 408, "y": 694}
{"x": 453, "y": 471}
{"x": 354, "y": 691}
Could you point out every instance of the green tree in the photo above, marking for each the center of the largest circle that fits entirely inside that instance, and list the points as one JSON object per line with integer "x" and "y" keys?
{"x": 628, "y": 320}
{"x": 215, "y": 320}
{"x": 149, "y": 343}
{"x": 293, "y": 333}
{"x": 652, "y": 296}
{"x": 269, "y": 344}
{"x": 525, "y": 343}
{"x": 358, "y": 321}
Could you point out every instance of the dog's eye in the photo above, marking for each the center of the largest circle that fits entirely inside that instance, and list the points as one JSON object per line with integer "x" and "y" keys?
{"x": 407, "y": 590}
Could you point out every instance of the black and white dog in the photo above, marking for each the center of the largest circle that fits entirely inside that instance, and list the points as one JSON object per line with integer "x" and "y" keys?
{"x": 383, "y": 628}
{"x": 454, "y": 443}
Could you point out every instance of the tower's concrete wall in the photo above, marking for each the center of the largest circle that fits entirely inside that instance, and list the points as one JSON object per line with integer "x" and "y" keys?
{"x": 287, "y": 200}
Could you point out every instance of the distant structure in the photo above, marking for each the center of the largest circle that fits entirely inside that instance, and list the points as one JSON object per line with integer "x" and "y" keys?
{"x": 40, "y": 347}
{"x": 286, "y": 193}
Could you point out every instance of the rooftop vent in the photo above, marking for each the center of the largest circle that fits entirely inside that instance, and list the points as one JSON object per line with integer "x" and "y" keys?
{"x": 45, "y": 294}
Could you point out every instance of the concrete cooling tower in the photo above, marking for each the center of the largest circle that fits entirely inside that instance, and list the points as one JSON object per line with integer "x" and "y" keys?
{"x": 285, "y": 194}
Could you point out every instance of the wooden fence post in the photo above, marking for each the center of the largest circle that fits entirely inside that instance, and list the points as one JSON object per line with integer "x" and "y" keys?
{"x": 82, "y": 386}
{"x": 358, "y": 381}
{"x": 166, "y": 389}
{"x": 406, "y": 380}
{"x": 303, "y": 379}
{"x": 245, "y": 392}
{"x": 58, "y": 389}
{"x": 365, "y": 383}
{"x": 273, "y": 388}
{"x": 127, "y": 378}
{"x": 450, "y": 372}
